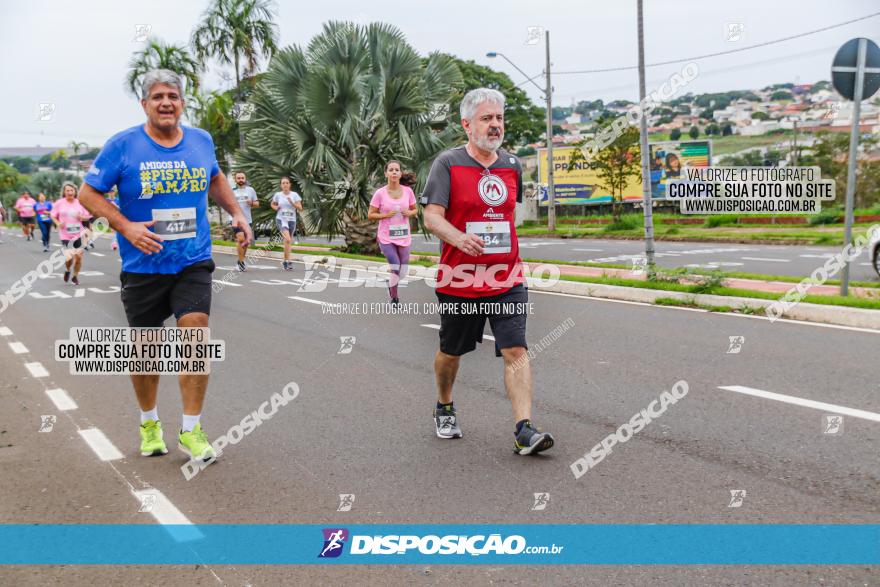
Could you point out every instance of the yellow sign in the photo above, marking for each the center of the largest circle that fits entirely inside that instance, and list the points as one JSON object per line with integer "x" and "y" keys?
{"x": 578, "y": 184}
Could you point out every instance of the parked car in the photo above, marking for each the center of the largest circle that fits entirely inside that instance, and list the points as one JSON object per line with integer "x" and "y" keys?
{"x": 265, "y": 228}
{"x": 874, "y": 248}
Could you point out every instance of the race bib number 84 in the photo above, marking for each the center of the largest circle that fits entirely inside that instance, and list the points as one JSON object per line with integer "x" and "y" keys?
{"x": 495, "y": 235}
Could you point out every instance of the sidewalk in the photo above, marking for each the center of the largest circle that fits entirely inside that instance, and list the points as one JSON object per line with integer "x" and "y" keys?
{"x": 779, "y": 287}
{"x": 864, "y": 319}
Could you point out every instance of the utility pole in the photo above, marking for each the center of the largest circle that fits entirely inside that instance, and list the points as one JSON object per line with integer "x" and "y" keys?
{"x": 646, "y": 156}
{"x": 551, "y": 190}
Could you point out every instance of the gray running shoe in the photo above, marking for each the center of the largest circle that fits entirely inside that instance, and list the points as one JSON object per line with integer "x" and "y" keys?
{"x": 446, "y": 422}
{"x": 531, "y": 441}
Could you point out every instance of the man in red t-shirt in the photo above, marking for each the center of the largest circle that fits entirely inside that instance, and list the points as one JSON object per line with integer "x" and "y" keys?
{"x": 470, "y": 198}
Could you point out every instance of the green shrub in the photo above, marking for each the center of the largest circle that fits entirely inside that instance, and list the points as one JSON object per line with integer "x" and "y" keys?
{"x": 716, "y": 221}
{"x": 701, "y": 280}
{"x": 626, "y": 222}
{"x": 827, "y": 216}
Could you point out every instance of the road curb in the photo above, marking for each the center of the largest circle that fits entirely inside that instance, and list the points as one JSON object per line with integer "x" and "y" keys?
{"x": 837, "y": 315}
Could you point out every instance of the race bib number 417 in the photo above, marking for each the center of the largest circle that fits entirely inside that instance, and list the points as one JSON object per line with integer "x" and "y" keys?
{"x": 175, "y": 223}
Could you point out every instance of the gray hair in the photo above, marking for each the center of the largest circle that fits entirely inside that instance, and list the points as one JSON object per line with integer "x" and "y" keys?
{"x": 476, "y": 97}
{"x": 71, "y": 184}
{"x": 160, "y": 76}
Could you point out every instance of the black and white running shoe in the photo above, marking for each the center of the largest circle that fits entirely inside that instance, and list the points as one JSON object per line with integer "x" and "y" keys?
{"x": 446, "y": 423}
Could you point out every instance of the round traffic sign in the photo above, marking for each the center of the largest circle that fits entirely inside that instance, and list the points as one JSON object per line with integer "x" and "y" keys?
{"x": 844, "y": 68}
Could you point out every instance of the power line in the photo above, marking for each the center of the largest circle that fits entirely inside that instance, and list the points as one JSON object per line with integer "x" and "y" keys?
{"x": 719, "y": 53}
{"x": 709, "y": 72}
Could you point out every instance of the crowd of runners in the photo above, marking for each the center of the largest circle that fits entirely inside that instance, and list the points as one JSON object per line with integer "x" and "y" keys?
{"x": 68, "y": 217}
{"x": 165, "y": 172}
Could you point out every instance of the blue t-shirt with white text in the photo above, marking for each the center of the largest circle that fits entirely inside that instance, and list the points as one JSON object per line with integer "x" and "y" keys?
{"x": 168, "y": 185}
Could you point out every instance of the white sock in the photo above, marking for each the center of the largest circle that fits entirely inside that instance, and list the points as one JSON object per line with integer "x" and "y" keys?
{"x": 151, "y": 415}
{"x": 189, "y": 422}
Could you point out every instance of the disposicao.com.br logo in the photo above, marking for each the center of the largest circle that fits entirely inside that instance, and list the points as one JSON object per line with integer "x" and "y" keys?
{"x": 451, "y": 544}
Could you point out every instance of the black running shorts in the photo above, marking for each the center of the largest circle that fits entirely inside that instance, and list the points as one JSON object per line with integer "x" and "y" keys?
{"x": 150, "y": 298}
{"x": 462, "y": 320}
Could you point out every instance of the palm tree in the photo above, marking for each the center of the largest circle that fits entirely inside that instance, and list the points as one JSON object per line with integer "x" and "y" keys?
{"x": 213, "y": 112}
{"x": 158, "y": 55}
{"x": 76, "y": 147}
{"x": 331, "y": 116}
{"x": 237, "y": 32}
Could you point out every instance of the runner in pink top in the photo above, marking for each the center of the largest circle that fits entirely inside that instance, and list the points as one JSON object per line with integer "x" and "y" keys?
{"x": 68, "y": 215}
{"x": 393, "y": 205}
{"x": 26, "y": 214}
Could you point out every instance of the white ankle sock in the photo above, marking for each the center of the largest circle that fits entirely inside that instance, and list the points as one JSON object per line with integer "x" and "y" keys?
{"x": 151, "y": 415}
{"x": 189, "y": 422}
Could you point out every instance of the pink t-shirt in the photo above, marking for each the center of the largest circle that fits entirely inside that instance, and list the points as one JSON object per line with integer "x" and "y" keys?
{"x": 395, "y": 229}
{"x": 25, "y": 207}
{"x": 69, "y": 216}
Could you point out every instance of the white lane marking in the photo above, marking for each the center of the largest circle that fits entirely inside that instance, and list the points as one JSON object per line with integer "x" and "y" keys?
{"x": 18, "y": 348}
{"x": 732, "y": 314}
{"x": 437, "y": 327}
{"x": 803, "y": 322}
{"x": 97, "y": 254}
{"x": 589, "y": 250}
{"x": 4, "y": 331}
{"x": 226, "y": 282}
{"x": 79, "y": 293}
{"x": 61, "y": 400}
{"x": 822, "y": 256}
{"x": 771, "y": 259}
{"x": 249, "y": 266}
{"x": 155, "y": 502}
{"x": 807, "y": 403}
{"x": 319, "y": 302}
{"x": 36, "y": 369}
{"x": 714, "y": 264}
{"x": 100, "y": 444}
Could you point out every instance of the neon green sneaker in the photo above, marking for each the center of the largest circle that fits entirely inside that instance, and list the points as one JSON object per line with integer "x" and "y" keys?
{"x": 196, "y": 445}
{"x": 151, "y": 439}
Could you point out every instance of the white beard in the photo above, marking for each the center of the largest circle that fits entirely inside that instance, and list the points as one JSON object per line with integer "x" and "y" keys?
{"x": 489, "y": 144}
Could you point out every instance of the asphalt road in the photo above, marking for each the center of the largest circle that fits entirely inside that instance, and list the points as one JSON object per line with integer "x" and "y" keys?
{"x": 361, "y": 425}
{"x": 793, "y": 260}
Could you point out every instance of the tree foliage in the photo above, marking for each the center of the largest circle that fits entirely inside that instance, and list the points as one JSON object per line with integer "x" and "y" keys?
{"x": 617, "y": 166}
{"x": 331, "y": 115}
{"x": 524, "y": 122}
{"x": 157, "y": 54}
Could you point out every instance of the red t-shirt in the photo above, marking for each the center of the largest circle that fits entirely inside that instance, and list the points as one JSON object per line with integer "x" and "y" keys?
{"x": 481, "y": 201}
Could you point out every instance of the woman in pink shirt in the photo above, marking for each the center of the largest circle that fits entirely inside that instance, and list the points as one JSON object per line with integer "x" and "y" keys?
{"x": 392, "y": 205}
{"x": 68, "y": 215}
{"x": 24, "y": 206}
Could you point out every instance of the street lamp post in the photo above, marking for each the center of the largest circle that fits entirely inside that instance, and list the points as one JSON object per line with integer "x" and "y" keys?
{"x": 547, "y": 91}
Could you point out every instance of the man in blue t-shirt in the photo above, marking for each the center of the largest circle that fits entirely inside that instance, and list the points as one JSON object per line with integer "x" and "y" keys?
{"x": 164, "y": 173}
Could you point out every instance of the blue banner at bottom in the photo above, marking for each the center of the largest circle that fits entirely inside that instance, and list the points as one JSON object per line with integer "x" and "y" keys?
{"x": 379, "y": 544}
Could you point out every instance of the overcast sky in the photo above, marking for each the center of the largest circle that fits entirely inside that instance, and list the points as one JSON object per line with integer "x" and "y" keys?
{"x": 75, "y": 54}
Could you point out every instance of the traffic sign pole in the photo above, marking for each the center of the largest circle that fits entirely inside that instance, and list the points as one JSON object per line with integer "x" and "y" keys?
{"x": 853, "y": 152}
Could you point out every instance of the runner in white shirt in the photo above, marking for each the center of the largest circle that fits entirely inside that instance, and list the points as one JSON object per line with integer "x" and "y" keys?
{"x": 247, "y": 199}
{"x": 286, "y": 203}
